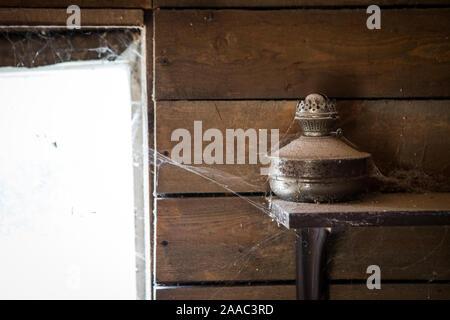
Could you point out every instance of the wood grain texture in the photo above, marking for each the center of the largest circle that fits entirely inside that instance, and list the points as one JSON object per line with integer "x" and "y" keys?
{"x": 223, "y": 54}
{"x": 58, "y": 17}
{"x": 410, "y": 291}
{"x": 284, "y": 3}
{"x": 263, "y": 292}
{"x": 221, "y": 115}
{"x": 140, "y": 4}
{"x": 215, "y": 239}
{"x": 228, "y": 239}
{"x": 403, "y": 137}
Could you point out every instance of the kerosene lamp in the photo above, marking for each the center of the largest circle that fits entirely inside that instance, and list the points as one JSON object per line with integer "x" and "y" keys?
{"x": 319, "y": 166}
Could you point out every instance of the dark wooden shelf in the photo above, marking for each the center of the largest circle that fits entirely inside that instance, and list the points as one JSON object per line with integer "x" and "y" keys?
{"x": 392, "y": 209}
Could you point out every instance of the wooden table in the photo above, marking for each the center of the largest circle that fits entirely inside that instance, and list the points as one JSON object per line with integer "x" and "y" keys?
{"x": 312, "y": 223}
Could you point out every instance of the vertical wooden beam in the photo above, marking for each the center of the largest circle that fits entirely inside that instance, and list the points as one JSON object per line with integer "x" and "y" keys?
{"x": 148, "y": 22}
{"x": 311, "y": 264}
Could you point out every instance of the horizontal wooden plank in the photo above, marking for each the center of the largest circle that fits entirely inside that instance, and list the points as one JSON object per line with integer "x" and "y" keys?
{"x": 141, "y": 4}
{"x": 284, "y": 3}
{"x": 380, "y": 209}
{"x": 58, "y": 17}
{"x": 409, "y": 291}
{"x": 404, "y": 291}
{"x": 230, "y": 239}
{"x": 223, "y": 54}
{"x": 402, "y": 136}
{"x": 263, "y": 292}
{"x": 215, "y": 239}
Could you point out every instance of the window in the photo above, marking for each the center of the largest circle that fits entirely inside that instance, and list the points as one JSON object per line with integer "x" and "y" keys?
{"x": 72, "y": 181}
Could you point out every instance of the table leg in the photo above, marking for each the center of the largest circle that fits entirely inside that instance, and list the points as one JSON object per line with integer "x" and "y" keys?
{"x": 311, "y": 264}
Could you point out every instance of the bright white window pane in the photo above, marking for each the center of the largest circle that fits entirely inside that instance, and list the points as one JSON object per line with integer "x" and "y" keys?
{"x": 66, "y": 182}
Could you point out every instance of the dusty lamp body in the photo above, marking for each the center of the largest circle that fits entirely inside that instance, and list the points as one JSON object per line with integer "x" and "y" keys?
{"x": 319, "y": 166}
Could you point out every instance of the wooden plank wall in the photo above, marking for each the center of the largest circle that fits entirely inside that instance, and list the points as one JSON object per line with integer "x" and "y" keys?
{"x": 244, "y": 68}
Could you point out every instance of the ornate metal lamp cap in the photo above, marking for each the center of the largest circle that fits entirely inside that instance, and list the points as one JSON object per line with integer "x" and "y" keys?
{"x": 317, "y": 115}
